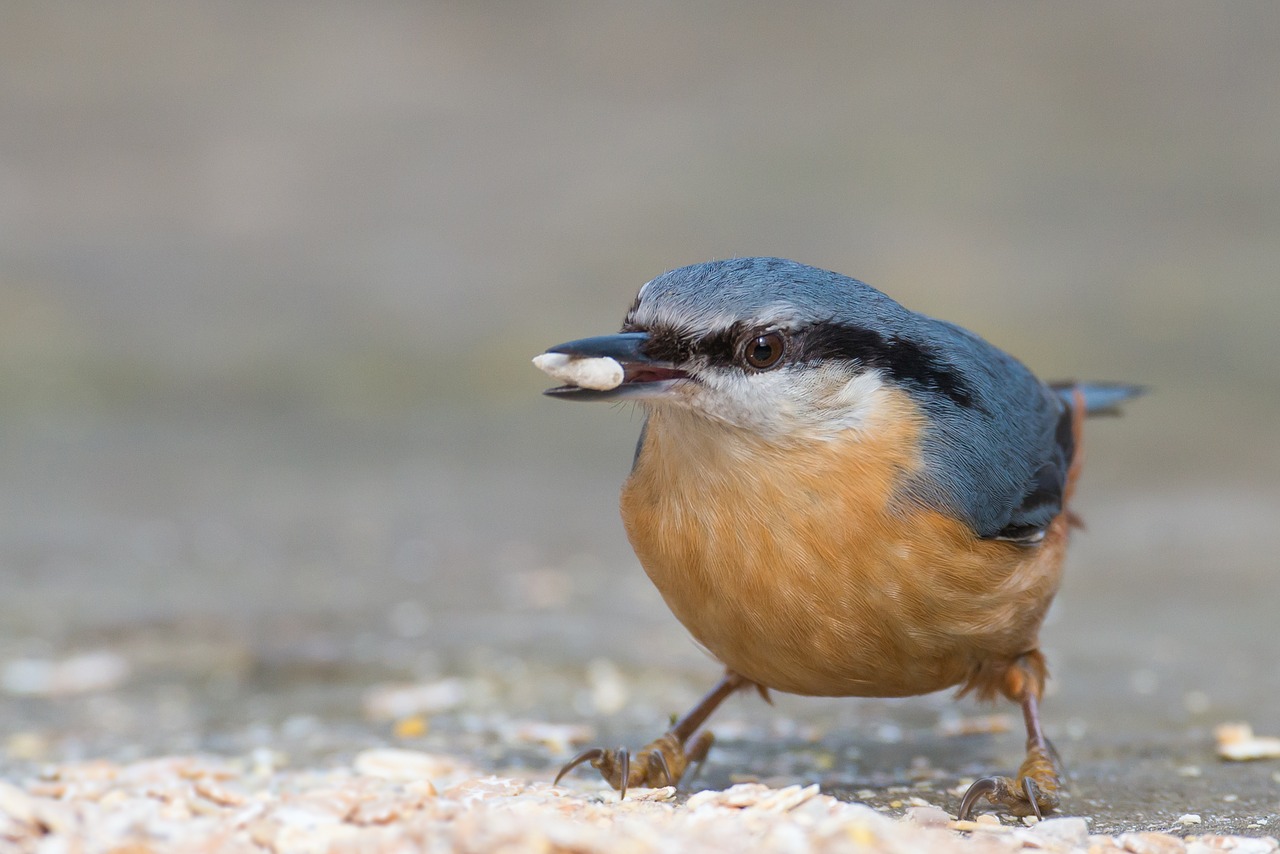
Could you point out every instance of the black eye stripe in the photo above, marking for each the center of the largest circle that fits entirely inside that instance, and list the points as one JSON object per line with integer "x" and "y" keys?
{"x": 673, "y": 345}
{"x": 723, "y": 348}
{"x": 902, "y": 359}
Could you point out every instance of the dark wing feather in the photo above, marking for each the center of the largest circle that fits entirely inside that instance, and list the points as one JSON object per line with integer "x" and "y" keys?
{"x": 1042, "y": 500}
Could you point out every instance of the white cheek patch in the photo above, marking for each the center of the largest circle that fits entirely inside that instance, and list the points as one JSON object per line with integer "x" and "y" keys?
{"x": 596, "y": 373}
{"x": 810, "y": 404}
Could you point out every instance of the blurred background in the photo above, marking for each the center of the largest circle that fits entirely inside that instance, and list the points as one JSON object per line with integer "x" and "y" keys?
{"x": 271, "y": 274}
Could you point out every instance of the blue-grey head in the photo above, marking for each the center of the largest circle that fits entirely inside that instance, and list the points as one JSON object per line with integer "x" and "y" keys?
{"x": 793, "y": 353}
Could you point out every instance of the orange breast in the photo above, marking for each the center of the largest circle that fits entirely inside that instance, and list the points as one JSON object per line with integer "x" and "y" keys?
{"x": 801, "y": 567}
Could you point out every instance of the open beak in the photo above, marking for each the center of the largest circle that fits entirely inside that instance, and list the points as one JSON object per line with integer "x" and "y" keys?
{"x": 608, "y": 367}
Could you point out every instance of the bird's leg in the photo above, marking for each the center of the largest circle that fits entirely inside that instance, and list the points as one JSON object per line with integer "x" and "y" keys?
{"x": 1034, "y": 791}
{"x": 663, "y": 761}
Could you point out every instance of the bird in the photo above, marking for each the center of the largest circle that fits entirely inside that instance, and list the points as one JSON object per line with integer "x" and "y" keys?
{"x": 838, "y": 496}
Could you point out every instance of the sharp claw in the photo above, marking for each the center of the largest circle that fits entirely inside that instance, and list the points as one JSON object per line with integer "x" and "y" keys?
{"x": 656, "y": 756}
{"x": 980, "y": 788}
{"x": 624, "y": 767}
{"x": 585, "y": 756}
{"x": 1002, "y": 791}
{"x": 659, "y": 757}
{"x": 1029, "y": 789}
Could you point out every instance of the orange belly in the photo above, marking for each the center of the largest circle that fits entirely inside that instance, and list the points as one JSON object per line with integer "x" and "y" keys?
{"x": 801, "y": 567}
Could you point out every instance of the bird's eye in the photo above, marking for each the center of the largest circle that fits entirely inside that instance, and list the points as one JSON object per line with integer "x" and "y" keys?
{"x": 763, "y": 351}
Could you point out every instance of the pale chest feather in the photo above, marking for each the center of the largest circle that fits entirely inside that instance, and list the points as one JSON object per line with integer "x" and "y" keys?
{"x": 802, "y": 568}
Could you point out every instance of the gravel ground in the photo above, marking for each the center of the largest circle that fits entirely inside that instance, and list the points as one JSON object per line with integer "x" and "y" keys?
{"x": 402, "y": 800}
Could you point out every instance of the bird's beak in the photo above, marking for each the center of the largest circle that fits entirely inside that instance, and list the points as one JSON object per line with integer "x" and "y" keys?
{"x": 608, "y": 367}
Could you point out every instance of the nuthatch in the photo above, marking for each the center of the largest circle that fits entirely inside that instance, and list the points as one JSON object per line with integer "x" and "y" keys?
{"x": 838, "y": 497}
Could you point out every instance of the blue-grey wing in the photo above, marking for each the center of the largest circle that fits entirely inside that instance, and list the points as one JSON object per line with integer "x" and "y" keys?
{"x": 1042, "y": 500}
{"x": 1042, "y": 497}
{"x": 1000, "y": 460}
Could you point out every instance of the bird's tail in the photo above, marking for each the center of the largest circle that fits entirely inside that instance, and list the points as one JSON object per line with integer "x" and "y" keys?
{"x": 1099, "y": 398}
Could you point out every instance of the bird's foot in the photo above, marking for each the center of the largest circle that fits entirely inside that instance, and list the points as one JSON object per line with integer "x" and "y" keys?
{"x": 1033, "y": 792}
{"x": 662, "y": 762}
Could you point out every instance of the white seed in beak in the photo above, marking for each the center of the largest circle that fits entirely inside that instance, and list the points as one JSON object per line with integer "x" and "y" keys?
{"x": 597, "y": 373}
